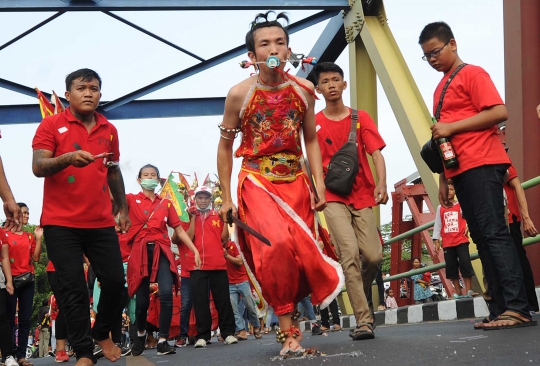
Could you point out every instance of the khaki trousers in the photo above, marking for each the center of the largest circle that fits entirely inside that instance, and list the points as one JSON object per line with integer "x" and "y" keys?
{"x": 44, "y": 337}
{"x": 354, "y": 234}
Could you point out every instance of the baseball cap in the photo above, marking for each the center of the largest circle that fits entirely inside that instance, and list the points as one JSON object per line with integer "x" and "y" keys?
{"x": 203, "y": 189}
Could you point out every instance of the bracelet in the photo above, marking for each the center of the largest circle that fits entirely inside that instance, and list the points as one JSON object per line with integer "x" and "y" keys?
{"x": 227, "y": 138}
{"x": 226, "y": 129}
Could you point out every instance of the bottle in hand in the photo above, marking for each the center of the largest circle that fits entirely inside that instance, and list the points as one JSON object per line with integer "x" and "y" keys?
{"x": 447, "y": 152}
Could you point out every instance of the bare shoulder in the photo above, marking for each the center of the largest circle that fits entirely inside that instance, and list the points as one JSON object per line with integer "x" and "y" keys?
{"x": 309, "y": 85}
{"x": 240, "y": 90}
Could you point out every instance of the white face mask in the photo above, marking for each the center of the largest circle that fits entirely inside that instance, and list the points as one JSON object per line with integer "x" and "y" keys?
{"x": 205, "y": 209}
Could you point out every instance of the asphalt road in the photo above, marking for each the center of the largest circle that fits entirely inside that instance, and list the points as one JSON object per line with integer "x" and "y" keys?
{"x": 420, "y": 344}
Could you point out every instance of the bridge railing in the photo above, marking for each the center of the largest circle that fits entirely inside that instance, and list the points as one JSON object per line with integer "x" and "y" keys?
{"x": 528, "y": 241}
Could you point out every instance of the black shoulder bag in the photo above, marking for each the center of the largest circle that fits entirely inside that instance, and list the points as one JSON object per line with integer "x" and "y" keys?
{"x": 343, "y": 166}
{"x": 430, "y": 152}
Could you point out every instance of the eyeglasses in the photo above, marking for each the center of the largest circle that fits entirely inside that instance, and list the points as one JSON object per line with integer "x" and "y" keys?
{"x": 435, "y": 53}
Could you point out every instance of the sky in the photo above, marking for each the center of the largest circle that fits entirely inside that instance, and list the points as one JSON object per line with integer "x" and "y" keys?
{"x": 128, "y": 60}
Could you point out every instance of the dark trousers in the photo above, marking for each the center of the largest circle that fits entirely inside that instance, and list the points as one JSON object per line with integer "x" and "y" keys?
{"x": 380, "y": 288}
{"x": 528, "y": 278}
{"x": 480, "y": 193}
{"x": 6, "y": 337}
{"x": 325, "y": 317}
{"x": 66, "y": 247}
{"x": 165, "y": 284}
{"x": 116, "y": 331}
{"x": 219, "y": 286}
{"x": 60, "y": 325}
{"x": 25, "y": 295}
{"x": 187, "y": 304}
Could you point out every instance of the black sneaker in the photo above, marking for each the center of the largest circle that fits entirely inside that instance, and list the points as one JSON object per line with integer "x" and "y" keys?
{"x": 52, "y": 354}
{"x": 126, "y": 351}
{"x": 316, "y": 330}
{"x": 138, "y": 346}
{"x": 98, "y": 352}
{"x": 163, "y": 348}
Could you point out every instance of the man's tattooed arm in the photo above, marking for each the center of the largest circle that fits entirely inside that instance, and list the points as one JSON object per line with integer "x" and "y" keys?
{"x": 116, "y": 185}
{"x": 44, "y": 165}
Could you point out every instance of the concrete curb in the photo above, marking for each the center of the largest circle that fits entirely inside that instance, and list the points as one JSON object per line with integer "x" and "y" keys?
{"x": 433, "y": 311}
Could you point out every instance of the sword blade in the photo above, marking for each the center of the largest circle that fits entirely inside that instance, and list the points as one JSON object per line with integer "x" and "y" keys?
{"x": 253, "y": 232}
{"x": 308, "y": 170}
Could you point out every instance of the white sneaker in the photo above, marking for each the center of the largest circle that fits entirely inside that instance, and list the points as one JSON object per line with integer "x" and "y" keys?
{"x": 230, "y": 340}
{"x": 10, "y": 361}
{"x": 201, "y": 343}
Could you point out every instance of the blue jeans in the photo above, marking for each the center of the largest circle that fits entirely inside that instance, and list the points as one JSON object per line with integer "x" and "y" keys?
{"x": 480, "y": 193}
{"x": 307, "y": 307}
{"x": 185, "y": 290}
{"x": 243, "y": 289}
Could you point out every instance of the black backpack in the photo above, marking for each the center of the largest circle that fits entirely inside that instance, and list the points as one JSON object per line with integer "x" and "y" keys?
{"x": 343, "y": 166}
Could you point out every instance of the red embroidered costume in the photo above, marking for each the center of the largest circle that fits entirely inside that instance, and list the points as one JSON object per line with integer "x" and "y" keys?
{"x": 274, "y": 199}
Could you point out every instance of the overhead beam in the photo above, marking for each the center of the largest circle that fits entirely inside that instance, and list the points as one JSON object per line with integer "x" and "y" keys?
{"x": 329, "y": 46}
{"x": 161, "y": 5}
{"x": 155, "y": 36}
{"x": 214, "y": 61}
{"x": 37, "y": 26}
{"x": 139, "y": 109}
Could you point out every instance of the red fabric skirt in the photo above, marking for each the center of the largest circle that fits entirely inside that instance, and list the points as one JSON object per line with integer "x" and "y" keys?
{"x": 294, "y": 266}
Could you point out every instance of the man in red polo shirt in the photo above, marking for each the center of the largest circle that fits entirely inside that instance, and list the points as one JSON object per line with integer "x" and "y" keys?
{"x": 77, "y": 153}
{"x": 239, "y": 288}
{"x": 208, "y": 232}
{"x": 350, "y": 219}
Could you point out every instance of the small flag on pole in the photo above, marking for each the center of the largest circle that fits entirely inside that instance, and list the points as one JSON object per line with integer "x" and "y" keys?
{"x": 171, "y": 192}
{"x": 45, "y": 106}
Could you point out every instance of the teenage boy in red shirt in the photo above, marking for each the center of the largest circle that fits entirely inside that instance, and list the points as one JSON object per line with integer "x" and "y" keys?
{"x": 350, "y": 219}
{"x": 77, "y": 153}
{"x": 469, "y": 116}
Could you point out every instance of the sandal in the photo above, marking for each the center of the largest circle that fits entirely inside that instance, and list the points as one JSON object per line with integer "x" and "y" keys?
{"x": 519, "y": 322}
{"x": 266, "y": 330}
{"x": 480, "y": 326}
{"x": 257, "y": 335}
{"x": 337, "y": 328}
{"x": 360, "y": 333}
{"x": 24, "y": 362}
{"x": 324, "y": 329}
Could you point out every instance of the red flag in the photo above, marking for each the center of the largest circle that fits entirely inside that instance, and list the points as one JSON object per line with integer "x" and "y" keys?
{"x": 45, "y": 106}
{"x": 183, "y": 180}
{"x": 58, "y": 106}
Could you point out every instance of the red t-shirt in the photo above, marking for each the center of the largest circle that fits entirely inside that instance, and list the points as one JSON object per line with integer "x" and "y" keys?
{"x": 21, "y": 247}
{"x": 332, "y": 135}
{"x": 237, "y": 274}
{"x": 208, "y": 229}
{"x": 469, "y": 93}
{"x": 77, "y": 197}
{"x": 513, "y": 205}
{"x": 453, "y": 226}
{"x": 187, "y": 259}
{"x": 156, "y": 227}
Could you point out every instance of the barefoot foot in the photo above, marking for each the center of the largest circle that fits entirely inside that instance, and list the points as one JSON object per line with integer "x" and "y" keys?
{"x": 111, "y": 351}
{"x": 291, "y": 344}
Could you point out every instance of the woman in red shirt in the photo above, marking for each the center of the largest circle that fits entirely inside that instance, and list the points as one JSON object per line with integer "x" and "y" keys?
{"x": 151, "y": 258}
{"x": 23, "y": 249}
